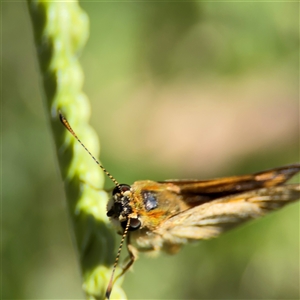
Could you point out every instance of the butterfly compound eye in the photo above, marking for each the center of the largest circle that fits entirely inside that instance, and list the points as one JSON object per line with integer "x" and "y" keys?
{"x": 121, "y": 189}
{"x": 134, "y": 224}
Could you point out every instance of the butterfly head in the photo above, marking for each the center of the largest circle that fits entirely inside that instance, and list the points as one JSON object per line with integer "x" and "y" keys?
{"x": 119, "y": 208}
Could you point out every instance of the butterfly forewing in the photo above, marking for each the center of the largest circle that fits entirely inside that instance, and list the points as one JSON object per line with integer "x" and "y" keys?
{"x": 221, "y": 187}
{"x": 210, "y": 207}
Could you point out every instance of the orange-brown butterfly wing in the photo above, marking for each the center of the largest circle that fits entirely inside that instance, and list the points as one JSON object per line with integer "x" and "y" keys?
{"x": 196, "y": 192}
{"x": 212, "y": 218}
{"x": 214, "y": 206}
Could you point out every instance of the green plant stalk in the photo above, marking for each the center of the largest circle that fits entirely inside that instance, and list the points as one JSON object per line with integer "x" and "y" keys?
{"x": 61, "y": 30}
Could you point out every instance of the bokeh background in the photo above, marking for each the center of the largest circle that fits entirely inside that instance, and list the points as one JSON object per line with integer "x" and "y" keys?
{"x": 177, "y": 90}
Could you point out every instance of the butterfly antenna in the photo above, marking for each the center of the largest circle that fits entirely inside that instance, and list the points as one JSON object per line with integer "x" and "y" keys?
{"x": 111, "y": 282}
{"x": 68, "y": 126}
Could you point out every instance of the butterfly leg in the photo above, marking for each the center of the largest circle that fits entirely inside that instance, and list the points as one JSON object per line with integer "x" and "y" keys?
{"x": 132, "y": 257}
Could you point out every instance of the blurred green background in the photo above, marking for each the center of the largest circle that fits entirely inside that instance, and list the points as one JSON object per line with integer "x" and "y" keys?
{"x": 178, "y": 90}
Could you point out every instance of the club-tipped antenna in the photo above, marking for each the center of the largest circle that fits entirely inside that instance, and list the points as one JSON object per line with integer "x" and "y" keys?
{"x": 68, "y": 126}
{"x": 111, "y": 281}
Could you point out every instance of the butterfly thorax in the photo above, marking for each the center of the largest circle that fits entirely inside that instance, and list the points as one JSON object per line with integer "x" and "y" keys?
{"x": 147, "y": 204}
